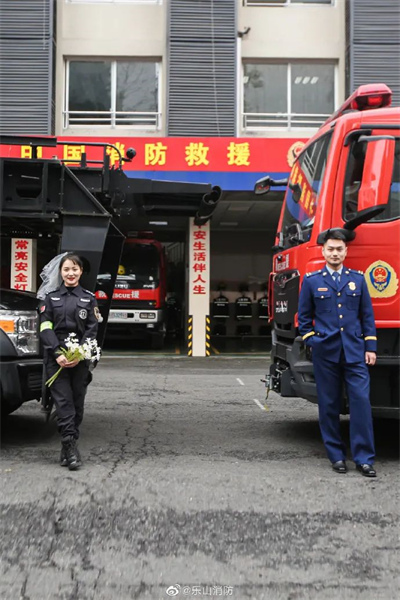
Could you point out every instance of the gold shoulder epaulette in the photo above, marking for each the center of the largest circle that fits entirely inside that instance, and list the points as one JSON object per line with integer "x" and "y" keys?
{"x": 356, "y": 271}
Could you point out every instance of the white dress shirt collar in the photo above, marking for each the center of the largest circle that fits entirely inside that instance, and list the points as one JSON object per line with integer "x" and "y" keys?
{"x": 330, "y": 271}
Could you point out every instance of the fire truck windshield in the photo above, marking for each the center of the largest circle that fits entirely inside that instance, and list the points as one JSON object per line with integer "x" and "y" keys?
{"x": 303, "y": 191}
{"x": 141, "y": 262}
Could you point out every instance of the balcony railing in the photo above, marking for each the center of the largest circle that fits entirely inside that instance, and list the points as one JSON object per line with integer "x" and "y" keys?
{"x": 135, "y": 120}
{"x": 260, "y": 121}
{"x": 117, "y": 1}
{"x": 284, "y": 2}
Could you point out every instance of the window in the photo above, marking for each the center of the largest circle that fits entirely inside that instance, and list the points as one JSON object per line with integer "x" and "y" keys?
{"x": 354, "y": 175}
{"x": 302, "y": 194}
{"x": 284, "y": 2}
{"x": 116, "y": 1}
{"x": 288, "y": 96}
{"x": 112, "y": 93}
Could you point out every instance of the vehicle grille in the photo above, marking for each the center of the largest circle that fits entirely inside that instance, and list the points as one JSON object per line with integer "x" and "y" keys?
{"x": 132, "y": 305}
{"x": 34, "y": 381}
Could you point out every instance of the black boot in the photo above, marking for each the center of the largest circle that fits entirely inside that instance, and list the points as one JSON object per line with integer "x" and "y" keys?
{"x": 64, "y": 460}
{"x": 78, "y": 454}
{"x": 63, "y": 457}
{"x": 69, "y": 447}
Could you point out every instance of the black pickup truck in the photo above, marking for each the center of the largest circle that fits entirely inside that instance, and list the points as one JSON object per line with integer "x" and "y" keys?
{"x": 21, "y": 361}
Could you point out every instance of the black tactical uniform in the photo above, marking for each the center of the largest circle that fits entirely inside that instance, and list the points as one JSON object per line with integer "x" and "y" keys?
{"x": 64, "y": 311}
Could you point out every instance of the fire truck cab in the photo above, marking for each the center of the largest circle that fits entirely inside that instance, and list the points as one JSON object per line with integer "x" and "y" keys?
{"x": 346, "y": 176}
{"x": 139, "y": 296}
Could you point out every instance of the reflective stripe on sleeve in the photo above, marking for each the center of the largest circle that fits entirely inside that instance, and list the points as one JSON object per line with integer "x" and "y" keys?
{"x": 370, "y": 337}
{"x": 46, "y": 325}
{"x": 310, "y": 333}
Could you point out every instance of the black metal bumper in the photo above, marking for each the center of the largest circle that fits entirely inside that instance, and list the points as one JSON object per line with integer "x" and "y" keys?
{"x": 21, "y": 380}
{"x": 291, "y": 374}
{"x": 133, "y": 331}
{"x": 291, "y": 370}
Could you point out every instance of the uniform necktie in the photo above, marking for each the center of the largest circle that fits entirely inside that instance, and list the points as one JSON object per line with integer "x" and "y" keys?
{"x": 336, "y": 278}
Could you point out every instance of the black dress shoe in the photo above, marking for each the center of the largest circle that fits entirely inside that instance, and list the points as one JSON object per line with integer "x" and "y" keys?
{"x": 366, "y": 470}
{"x": 339, "y": 466}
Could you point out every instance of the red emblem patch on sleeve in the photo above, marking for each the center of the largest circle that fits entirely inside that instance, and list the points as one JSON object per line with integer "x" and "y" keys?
{"x": 43, "y": 308}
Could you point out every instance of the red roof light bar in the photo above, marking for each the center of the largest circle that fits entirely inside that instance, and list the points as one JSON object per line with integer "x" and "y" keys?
{"x": 374, "y": 95}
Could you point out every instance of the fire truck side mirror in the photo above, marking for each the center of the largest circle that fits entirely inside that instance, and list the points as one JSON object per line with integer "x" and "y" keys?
{"x": 377, "y": 174}
{"x": 296, "y": 191}
{"x": 262, "y": 186}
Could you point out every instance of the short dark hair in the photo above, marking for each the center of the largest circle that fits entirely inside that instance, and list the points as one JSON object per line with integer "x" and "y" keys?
{"x": 74, "y": 258}
{"x": 335, "y": 235}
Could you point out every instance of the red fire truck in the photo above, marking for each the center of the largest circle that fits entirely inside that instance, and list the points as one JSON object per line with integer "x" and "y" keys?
{"x": 138, "y": 301}
{"x": 346, "y": 176}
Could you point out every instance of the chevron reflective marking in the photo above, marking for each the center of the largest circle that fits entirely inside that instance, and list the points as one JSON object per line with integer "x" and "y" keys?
{"x": 190, "y": 336}
{"x": 208, "y": 336}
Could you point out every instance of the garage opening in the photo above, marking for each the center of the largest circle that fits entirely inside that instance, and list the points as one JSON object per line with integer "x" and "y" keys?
{"x": 242, "y": 235}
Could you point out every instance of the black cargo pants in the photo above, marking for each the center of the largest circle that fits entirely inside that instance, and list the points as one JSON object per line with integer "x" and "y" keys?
{"x": 68, "y": 392}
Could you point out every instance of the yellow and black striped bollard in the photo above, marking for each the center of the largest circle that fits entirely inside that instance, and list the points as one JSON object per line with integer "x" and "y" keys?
{"x": 208, "y": 336}
{"x": 190, "y": 336}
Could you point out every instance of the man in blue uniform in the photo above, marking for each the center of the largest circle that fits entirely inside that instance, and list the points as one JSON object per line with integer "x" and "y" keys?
{"x": 336, "y": 320}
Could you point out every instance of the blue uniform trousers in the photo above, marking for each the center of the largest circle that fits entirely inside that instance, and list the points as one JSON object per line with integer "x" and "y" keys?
{"x": 329, "y": 377}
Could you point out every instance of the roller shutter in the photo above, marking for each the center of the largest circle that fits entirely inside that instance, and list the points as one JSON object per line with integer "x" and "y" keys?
{"x": 26, "y": 67}
{"x": 201, "y": 68}
{"x": 373, "y": 29}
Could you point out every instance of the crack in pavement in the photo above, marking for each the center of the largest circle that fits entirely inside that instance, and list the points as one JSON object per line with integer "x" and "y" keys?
{"x": 221, "y": 534}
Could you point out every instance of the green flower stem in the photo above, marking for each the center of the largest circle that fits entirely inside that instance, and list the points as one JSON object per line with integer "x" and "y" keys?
{"x": 52, "y": 379}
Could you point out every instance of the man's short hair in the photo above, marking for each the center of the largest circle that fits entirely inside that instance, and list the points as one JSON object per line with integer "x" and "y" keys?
{"x": 333, "y": 234}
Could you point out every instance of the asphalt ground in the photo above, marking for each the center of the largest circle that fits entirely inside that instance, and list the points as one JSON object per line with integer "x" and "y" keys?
{"x": 192, "y": 487}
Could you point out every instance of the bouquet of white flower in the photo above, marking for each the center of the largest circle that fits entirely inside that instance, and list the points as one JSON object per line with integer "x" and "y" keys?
{"x": 89, "y": 350}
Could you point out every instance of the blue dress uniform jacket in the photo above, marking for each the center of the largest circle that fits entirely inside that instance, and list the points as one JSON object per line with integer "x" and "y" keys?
{"x": 342, "y": 314}
{"x": 336, "y": 320}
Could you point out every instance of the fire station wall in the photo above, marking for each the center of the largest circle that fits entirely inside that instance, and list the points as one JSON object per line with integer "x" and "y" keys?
{"x": 97, "y": 30}
{"x": 112, "y": 29}
{"x": 296, "y": 31}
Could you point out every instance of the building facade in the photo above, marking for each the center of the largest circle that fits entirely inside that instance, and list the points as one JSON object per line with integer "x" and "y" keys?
{"x": 198, "y": 68}
{"x": 219, "y": 91}
{"x": 166, "y": 68}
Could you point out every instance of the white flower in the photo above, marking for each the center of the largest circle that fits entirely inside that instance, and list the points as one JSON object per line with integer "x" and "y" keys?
{"x": 91, "y": 350}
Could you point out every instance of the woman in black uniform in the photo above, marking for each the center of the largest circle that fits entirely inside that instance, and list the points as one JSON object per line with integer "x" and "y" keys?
{"x": 68, "y": 309}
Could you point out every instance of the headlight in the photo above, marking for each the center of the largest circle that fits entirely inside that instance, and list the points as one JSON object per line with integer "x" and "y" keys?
{"x": 22, "y": 327}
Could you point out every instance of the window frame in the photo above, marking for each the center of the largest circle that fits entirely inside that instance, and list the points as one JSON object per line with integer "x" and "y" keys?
{"x": 347, "y": 215}
{"x": 288, "y": 116}
{"x": 148, "y": 2}
{"x": 113, "y": 113}
{"x": 284, "y": 3}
